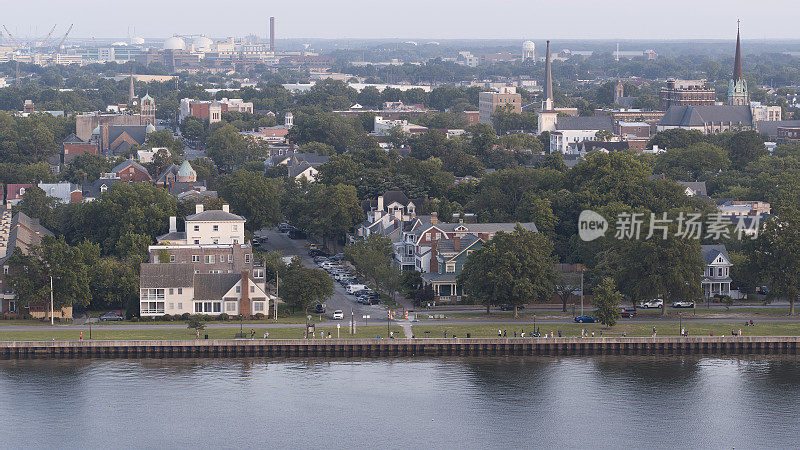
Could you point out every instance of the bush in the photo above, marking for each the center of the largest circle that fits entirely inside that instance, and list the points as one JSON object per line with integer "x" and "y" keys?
{"x": 166, "y": 317}
{"x": 223, "y": 316}
{"x": 185, "y": 316}
{"x": 259, "y": 316}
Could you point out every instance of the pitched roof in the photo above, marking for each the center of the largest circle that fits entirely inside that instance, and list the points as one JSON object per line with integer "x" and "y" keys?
{"x": 213, "y": 215}
{"x": 448, "y": 245}
{"x": 186, "y": 170}
{"x": 137, "y": 132}
{"x": 95, "y": 188}
{"x": 698, "y": 116}
{"x": 13, "y": 190}
{"x": 710, "y": 252}
{"x": 585, "y": 123}
{"x": 165, "y": 275}
{"x": 770, "y": 127}
{"x": 123, "y": 165}
{"x": 699, "y": 187}
{"x": 172, "y": 169}
{"x": 73, "y": 139}
{"x": 213, "y": 286}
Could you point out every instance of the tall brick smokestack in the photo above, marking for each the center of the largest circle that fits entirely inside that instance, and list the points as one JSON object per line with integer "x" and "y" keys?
{"x": 272, "y": 34}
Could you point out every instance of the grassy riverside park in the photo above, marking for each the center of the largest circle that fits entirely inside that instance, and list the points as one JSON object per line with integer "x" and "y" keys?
{"x": 631, "y": 329}
{"x": 98, "y": 333}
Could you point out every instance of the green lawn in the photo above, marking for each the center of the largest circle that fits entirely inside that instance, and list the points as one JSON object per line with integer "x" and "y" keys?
{"x": 631, "y": 329}
{"x": 171, "y": 334}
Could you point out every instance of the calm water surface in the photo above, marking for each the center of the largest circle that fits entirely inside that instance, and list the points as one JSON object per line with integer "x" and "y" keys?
{"x": 402, "y": 403}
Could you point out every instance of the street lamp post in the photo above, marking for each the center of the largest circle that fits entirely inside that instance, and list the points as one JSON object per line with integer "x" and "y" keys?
{"x": 680, "y": 322}
{"x": 534, "y": 322}
{"x": 581, "y": 291}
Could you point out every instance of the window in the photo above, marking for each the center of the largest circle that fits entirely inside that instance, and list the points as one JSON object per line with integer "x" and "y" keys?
{"x": 180, "y": 305}
{"x": 207, "y": 307}
{"x": 171, "y": 291}
{"x": 5, "y": 270}
{"x": 171, "y": 258}
{"x": 252, "y": 288}
{"x": 209, "y": 259}
{"x": 172, "y": 306}
{"x": 428, "y": 236}
{"x": 438, "y": 235}
{"x": 247, "y": 258}
{"x": 198, "y": 307}
{"x": 230, "y": 306}
{"x": 258, "y": 306}
{"x": 197, "y": 228}
{"x": 230, "y": 258}
{"x": 221, "y": 258}
{"x": 238, "y": 289}
{"x": 197, "y": 241}
{"x": 215, "y": 240}
{"x": 215, "y": 227}
{"x": 451, "y": 268}
{"x": 719, "y": 271}
{"x": 234, "y": 227}
{"x": 180, "y": 291}
{"x": 195, "y": 258}
{"x": 258, "y": 273}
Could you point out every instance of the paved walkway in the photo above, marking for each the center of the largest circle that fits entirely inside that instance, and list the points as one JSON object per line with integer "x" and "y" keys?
{"x": 406, "y": 324}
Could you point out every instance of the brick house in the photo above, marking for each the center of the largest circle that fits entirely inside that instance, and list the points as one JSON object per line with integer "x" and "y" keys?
{"x": 131, "y": 170}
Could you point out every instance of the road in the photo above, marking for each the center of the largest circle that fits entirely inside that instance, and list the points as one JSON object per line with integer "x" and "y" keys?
{"x": 340, "y": 300}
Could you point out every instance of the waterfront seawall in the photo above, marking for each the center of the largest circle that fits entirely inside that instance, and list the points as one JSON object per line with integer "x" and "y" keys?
{"x": 377, "y": 348}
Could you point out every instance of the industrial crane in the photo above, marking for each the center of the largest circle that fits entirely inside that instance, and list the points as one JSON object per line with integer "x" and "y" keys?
{"x": 65, "y": 36}
{"x": 47, "y": 38}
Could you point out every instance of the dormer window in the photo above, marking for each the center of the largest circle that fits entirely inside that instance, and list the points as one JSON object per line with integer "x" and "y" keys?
{"x": 21, "y": 191}
{"x": 103, "y": 188}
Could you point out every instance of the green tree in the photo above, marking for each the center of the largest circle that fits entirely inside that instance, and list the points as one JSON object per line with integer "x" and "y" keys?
{"x": 36, "y": 204}
{"x": 607, "y": 299}
{"x": 372, "y": 260}
{"x": 777, "y": 253}
{"x": 302, "y": 286}
{"x": 253, "y": 196}
{"x": 512, "y": 268}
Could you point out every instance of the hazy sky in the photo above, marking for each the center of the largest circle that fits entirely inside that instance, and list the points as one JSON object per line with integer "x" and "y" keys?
{"x": 412, "y": 19}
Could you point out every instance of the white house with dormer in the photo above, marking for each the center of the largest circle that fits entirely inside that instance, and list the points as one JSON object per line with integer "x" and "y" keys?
{"x": 717, "y": 273}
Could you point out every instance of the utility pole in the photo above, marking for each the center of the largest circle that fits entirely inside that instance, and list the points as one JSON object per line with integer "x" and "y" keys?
{"x": 276, "y": 296}
{"x": 581, "y": 291}
{"x": 51, "y": 300}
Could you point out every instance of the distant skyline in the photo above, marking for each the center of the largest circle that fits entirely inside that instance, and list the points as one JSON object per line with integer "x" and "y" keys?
{"x": 410, "y": 19}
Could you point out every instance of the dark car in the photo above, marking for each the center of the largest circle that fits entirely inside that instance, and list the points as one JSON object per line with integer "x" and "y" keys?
{"x": 111, "y": 316}
{"x": 627, "y": 313}
{"x": 284, "y": 228}
{"x": 319, "y": 309}
{"x": 317, "y": 252}
{"x": 585, "y": 319}
{"x": 511, "y": 307}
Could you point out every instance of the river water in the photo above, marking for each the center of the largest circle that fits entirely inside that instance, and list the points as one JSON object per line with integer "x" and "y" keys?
{"x": 571, "y": 402}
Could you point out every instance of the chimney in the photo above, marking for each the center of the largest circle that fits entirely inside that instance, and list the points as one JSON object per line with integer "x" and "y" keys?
{"x": 173, "y": 224}
{"x": 380, "y": 203}
{"x": 434, "y": 218}
{"x": 226, "y": 207}
{"x": 434, "y": 260}
{"x": 244, "y": 302}
{"x": 457, "y": 243}
{"x": 198, "y": 208}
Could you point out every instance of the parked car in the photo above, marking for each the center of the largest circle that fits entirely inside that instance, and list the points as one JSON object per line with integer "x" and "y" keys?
{"x": 585, "y": 319}
{"x": 627, "y": 313}
{"x": 319, "y": 308}
{"x": 112, "y": 316}
{"x": 353, "y": 288}
{"x": 683, "y": 304}
{"x": 317, "y": 252}
{"x": 285, "y": 227}
{"x": 338, "y": 315}
{"x": 655, "y": 303}
{"x": 511, "y": 307}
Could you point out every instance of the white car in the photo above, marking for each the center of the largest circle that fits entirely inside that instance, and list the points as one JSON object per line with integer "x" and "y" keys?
{"x": 683, "y": 304}
{"x": 656, "y": 303}
{"x": 338, "y": 315}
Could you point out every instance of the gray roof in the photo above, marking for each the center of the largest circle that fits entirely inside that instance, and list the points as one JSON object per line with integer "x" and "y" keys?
{"x": 585, "y": 123}
{"x": 172, "y": 236}
{"x": 213, "y": 286}
{"x": 435, "y": 276}
{"x": 179, "y": 187}
{"x": 119, "y": 167}
{"x": 698, "y": 116}
{"x": 770, "y": 127}
{"x": 166, "y": 275}
{"x": 137, "y": 132}
{"x": 710, "y": 252}
{"x": 94, "y": 189}
{"x": 213, "y": 215}
{"x": 508, "y": 227}
{"x": 448, "y": 245}
{"x": 698, "y": 186}
{"x": 171, "y": 169}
